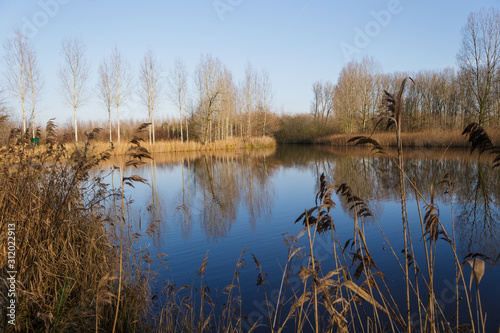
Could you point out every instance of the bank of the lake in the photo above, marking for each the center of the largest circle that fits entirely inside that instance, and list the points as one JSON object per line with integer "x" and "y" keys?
{"x": 429, "y": 138}
{"x": 170, "y": 146}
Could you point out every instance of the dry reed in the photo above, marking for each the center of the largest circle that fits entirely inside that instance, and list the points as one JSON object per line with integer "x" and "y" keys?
{"x": 431, "y": 138}
{"x": 170, "y": 146}
{"x": 66, "y": 253}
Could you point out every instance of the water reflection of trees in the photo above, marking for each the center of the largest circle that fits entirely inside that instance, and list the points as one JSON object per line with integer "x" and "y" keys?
{"x": 479, "y": 214}
{"x": 218, "y": 185}
{"x": 375, "y": 179}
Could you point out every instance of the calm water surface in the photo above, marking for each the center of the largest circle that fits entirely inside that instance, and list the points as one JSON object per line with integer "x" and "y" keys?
{"x": 221, "y": 203}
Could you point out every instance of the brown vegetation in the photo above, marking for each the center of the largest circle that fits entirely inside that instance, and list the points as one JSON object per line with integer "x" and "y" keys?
{"x": 429, "y": 138}
{"x": 65, "y": 247}
{"x": 171, "y": 146}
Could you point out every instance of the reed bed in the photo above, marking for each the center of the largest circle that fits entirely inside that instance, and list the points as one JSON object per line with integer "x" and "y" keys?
{"x": 170, "y": 146}
{"x": 66, "y": 248}
{"x": 431, "y": 138}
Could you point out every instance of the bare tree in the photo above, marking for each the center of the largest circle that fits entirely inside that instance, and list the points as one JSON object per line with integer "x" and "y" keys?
{"x": 73, "y": 74}
{"x": 249, "y": 91}
{"x": 121, "y": 80}
{"x": 35, "y": 84}
{"x": 322, "y": 104}
{"x": 208, "y": 75}
{"x": 318, "y": 97}
{"x": 267, "y": 96}
{"x": 226, "y": 104}
{"x": 150, "y": 86}
{"x": 369, "y": 90}
{"x": 104, "y": 87}
{"x": 16, "y": 63}
{"x": 346, "y": 101}
{"x": 177, "y": 81}
{"x": 357, "y": 94}
{"x": 479, "y": 57}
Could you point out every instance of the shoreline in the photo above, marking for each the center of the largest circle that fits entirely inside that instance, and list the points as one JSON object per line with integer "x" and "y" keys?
{"x": 424, "y": 139}
{"x": 172, "y": 146}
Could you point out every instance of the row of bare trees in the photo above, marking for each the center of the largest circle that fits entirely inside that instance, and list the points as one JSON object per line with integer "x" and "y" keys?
{"x": 225, "y": 108}
{"x": 221, "y": 108}
{"x": 444, "y": 98}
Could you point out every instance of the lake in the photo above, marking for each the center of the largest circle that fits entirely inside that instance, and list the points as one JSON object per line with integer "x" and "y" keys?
{"x": 221, "y": 203}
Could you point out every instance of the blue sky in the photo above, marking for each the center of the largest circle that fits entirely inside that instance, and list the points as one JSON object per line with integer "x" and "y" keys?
{"x": 296, "y": 41}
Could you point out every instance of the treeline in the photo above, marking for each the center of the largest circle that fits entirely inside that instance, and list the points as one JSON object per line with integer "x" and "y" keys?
{"x": 211, "y": 104}
{"x": 437, "y": 99}
{"x": 444, "y": 98}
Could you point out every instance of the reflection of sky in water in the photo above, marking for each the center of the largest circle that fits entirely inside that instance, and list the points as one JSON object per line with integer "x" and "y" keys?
{"x": 259, "y": 197}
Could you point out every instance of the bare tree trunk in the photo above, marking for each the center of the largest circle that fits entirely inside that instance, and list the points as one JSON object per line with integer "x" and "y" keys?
{"x": 74, "y": 75}
{"x": 33, "y": 122}
{"x": 76, "y": 125}
{"x": 109, "y": 123}
{"x": 105, "y": 92}
{"x": 118, "y": 123}
{"x": 153, "y": 125}
{"x": 150, "y": 88}
{"x": 150, "y": 125}
{"x": 24, "y": 117}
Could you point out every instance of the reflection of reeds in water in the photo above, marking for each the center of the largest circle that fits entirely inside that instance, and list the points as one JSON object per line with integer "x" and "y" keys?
{"x": 162, "y": 159}
{"x": 154, "y": 208}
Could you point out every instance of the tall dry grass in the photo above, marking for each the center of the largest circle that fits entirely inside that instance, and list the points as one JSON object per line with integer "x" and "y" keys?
{"x": 67, "y": 248}
{"x": 430, "y": 138}
{"x": 170, "y": 146}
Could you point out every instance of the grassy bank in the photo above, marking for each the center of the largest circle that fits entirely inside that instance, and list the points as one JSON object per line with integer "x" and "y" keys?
{"x": 170, "y": 146}
{"x": 434, "y": 138}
